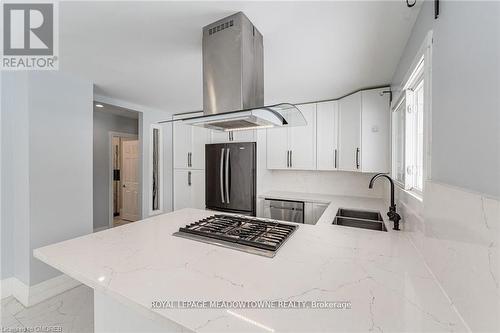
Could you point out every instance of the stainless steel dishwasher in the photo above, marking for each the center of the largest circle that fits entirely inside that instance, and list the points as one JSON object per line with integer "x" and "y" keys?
{"x": 284, "y": 210}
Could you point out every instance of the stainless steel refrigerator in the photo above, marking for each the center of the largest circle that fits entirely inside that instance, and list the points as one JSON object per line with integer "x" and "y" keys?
{"x": 230, "y": 177}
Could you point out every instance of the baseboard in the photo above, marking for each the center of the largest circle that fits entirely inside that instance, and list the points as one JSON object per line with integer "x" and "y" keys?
{"x": 6, "y": 287}
{"x": 31, "y": 295}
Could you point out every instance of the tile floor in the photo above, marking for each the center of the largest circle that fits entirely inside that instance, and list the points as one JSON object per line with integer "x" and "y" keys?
{"x": 72, "y": 310}
{"x": 118, "y": 221}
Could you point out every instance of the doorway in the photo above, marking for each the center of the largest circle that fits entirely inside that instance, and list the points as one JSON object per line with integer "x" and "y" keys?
{"x": 125, "y": 178}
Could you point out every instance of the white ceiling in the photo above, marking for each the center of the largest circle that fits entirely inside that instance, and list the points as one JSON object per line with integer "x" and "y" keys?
{"x": 149, "y": 53}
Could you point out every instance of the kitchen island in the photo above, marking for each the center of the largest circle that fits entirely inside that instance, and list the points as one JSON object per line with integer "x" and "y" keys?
{"x": 133, "y": 267}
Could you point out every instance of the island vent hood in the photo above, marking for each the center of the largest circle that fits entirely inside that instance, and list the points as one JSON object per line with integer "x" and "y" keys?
{"x": 233, "y": 80}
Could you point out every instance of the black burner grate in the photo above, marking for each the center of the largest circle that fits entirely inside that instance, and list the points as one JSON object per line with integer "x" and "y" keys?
{"x": 262, "y": 234}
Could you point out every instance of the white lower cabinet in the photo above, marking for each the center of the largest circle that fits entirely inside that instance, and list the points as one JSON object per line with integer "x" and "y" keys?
{"x": 318, "y": 210}
{"x": 313, "y": 211}
{"x": 189, "y": 189}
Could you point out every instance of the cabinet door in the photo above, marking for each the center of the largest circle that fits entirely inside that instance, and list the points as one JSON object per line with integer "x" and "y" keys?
{"x": 327, "y": 135}
{"x": 182, "y": 192}
{"x": 219, "y": 136}
{"x": 182, "y": 144}
{"x": 375, "y": 131}
{"x": 303, "y": 140}
{"x": 197, "y": 189}
{"x": 350, "y": 133}
{"x": 277, "y": 148}
{"x": 199, "y": 138}
{"x": 244, "y": 136}
{"x": 318, "y": 210}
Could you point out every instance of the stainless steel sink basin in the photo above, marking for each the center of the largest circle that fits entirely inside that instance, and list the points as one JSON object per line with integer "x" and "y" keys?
{"x": 359, "y": 219}
{"x": 360, "y": 214}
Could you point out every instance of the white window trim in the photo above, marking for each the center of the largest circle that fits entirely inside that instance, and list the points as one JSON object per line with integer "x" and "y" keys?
{"x": 424, "y": 51}
{"x": 395, "y": 107}
{"x": 160, "y": 167}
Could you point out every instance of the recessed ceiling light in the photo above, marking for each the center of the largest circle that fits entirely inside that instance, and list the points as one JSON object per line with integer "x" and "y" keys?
{"x": 99, "y": 105}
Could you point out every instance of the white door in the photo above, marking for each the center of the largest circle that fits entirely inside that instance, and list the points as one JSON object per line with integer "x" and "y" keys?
{"x": 199, "y": 138}
{"x": 303, "y": 140}
{"x": 277, "y": 148}
{"x": 182, "y": 144}
{"x": 350, "y": 133}
{"x": 130, "y": 180}
{"x": 197, "y": 189}
{"x": 327, "y": 135}
{"x": 375, "y": 131}
{"x": 182, "y": 191}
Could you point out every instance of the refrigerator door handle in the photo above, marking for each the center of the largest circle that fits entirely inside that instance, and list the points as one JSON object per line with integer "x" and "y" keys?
{"x": 221, "y": 175}
{"x": 227, "y": 174}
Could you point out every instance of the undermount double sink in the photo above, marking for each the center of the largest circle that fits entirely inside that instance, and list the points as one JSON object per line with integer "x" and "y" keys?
{"x": 359, "y": 219}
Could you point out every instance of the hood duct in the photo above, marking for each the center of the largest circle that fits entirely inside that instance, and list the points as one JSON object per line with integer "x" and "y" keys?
{"x": 233, "y": 80}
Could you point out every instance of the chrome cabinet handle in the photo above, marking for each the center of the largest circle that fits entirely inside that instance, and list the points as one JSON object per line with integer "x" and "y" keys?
{"x": 188, "y": 159}
{"x": 189, "y": 178}
{"x": 335, "y": 158}
{"x": 227, "y": 175}
{"x": 287, "y": 158}
{"x": 291, "y": 159}
{"x": 357, "y": 158}
{"x": 221, "y": 175}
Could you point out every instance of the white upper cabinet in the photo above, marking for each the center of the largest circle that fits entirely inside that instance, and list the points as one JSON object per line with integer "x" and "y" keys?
{"x": 277, "y": 148}
{"x": 303, "y": 141}
{"x": 327, "y": 135}
{"x": 294, "y": 147}
{"x": 233, "y": 136}
{"x": 189, "y": 145}
{"x": 350, "y": 133}
{"x": 375, "y": 117}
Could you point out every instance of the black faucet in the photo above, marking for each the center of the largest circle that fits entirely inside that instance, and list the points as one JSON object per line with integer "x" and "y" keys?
{"x": 393, "y": 216}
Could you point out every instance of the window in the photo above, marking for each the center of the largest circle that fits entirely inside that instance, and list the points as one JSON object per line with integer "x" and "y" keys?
{"x": 408, "y": 132}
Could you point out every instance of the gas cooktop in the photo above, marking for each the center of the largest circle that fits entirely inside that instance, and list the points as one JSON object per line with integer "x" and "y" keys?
{"x": 258, "y": 236}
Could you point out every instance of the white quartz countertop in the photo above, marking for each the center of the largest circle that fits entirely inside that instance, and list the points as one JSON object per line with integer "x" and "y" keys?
{"x": 379, "y": 273}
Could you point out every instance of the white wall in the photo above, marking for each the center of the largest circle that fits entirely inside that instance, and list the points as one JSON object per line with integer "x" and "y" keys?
{"x": 105, "y": 122}
{"x": 465, "y": 91}
{"x": 456, "y": 227}
{"x": 47, "y": 160}
{"x": 15, "y": 183}
{"x": 148, "y": 116}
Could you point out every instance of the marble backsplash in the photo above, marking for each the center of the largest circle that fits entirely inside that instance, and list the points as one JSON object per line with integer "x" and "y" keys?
{"x": 458, "y": 233}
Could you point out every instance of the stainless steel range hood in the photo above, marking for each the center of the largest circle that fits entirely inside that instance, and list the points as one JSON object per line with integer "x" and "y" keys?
{"x": 233, "y": 80}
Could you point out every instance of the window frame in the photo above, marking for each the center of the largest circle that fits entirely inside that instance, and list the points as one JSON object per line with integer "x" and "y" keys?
{"x": 420, "y": 69}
